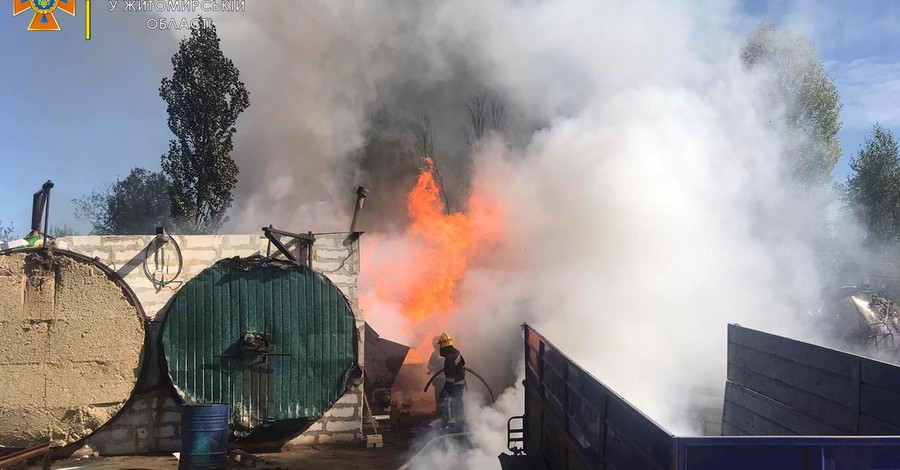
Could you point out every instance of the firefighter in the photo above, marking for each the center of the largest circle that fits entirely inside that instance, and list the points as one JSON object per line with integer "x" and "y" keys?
{"x": 436, "y": 365}
{"x": 454, "y": 382}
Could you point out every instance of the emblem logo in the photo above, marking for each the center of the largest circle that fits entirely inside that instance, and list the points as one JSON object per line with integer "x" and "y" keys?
{"x": 43, "y": 19}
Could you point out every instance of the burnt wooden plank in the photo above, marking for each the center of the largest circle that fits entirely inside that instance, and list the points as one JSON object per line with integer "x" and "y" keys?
{"x": 821, "y": 382}
{"x": 783, "y": 416}
{"x": 834, "y": 414}
{"x": 816, "y": 356}
{"x": 880, "y": 403}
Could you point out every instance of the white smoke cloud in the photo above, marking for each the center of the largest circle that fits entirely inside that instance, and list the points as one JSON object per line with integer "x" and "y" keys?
{"x": 650, "y": 209}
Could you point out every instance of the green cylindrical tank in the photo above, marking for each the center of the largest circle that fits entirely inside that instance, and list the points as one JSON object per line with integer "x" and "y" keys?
{"x": 274, "y": 340}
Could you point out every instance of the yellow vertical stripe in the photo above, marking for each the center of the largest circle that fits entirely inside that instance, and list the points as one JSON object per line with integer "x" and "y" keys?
{"x": 87, "y": 20}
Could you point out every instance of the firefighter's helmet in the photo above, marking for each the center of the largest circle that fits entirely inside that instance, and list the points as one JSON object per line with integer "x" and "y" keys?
{"x": 444, "y": 340}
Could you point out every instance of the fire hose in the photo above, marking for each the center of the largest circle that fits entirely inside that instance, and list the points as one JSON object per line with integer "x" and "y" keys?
{"x": 488, "y": 387}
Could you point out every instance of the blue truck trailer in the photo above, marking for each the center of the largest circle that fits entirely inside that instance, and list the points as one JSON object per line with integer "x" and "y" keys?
{"x": 574, "y": 421}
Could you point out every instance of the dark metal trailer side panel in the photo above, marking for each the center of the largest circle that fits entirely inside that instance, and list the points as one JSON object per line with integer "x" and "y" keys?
{"x": 788, "y": 453}
{"x": 781, "y": 386}
{"x": 574, "y": 421}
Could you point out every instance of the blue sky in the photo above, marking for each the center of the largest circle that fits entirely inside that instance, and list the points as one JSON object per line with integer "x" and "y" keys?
{"x": 83, "y": 113}
{"x": 77, "y": 112}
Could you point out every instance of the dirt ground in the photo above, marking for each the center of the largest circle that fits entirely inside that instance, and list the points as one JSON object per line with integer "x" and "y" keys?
{"x": 394, "y": 453}
{"x": 312, "y": 458}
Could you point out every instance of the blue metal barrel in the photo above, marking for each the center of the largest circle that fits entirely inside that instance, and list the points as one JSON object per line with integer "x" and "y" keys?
{"x": 204, "y": 437}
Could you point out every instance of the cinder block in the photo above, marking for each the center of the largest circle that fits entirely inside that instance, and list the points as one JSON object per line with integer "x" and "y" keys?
{"x": 341, "y": 412}
{"x": 119, "y": 433}
{"x": 349, "y": 398}
{"x": 342, "y": 280}
{"x": 242, "y": 252}
{"x": 317, "y": 426}
{"x": 327, "y": 267}
{"x": 139, "y": 404}
{"x": 124, "y": 242}
{"x": 345, "y": 289}
{"x": 127, "y": 447}
{"x": 192, "y": 256}
{"x": 303, "y": 440}
{"x": 201, "y": 241}
{"x": 166, "y": 432}
{"x": 240, "y": 241}
{"x": 374, "y": 440}
{"x": 343, "y": 426}
{"x": 173, "y": 416}
{"x": 133, "y": 419}
{"x": 83, "y": 241}
{"x": 336, "y": 438}
{"x": 103, "y": 256}
{"x": 126, "y": 256}
{"x": 329, "y": 254}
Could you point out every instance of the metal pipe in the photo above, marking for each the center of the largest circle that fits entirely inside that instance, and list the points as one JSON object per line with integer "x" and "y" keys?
{"x": 361, "y": 194}
{"x": 46, "y": 190}
{"x": 38, "y": 205}
{"x": 37, "y": 211}
{"x": 24, "y": 455}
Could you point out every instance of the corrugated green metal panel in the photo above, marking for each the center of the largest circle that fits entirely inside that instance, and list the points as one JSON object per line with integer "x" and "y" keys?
{"x": 306, "y": 320}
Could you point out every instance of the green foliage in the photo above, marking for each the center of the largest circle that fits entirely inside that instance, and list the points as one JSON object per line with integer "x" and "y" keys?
{"x": 812, "y": 104}
{"x": 873, "y": 188}
{"x": 203, "y": 97}
{"x": 131, "y": 206}
{"x": 7, "y": 232}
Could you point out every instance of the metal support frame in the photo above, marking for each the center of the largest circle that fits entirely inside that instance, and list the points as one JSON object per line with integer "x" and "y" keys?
{"x": 515, "y": 437}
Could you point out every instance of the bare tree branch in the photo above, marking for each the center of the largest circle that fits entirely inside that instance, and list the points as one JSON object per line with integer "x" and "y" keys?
{"x": 484, "y": 113}
{"x": 423, "y": 134}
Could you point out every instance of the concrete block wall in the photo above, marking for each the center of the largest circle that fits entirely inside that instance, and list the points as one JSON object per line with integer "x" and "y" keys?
{"x": 150, "y": 421}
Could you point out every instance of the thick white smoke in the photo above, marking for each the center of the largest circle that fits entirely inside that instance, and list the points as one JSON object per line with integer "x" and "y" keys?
{"x": 651, "y": 207}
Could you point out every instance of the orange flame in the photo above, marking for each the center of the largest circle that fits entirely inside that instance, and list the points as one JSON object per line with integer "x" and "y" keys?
{"x": 438, "y": 250}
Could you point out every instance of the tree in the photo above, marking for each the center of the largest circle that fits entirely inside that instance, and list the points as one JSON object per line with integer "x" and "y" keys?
{"x": 423, "y": 137}
{"x": 203, "y": 98}
{"x": 58, "y": 231}
{"x": 484, "y": 113}
{"x": 134, "y": 205}
{"x": 812, "y": 104}
{"x": 873, "y": 188}
{"x": 7, "y": 232}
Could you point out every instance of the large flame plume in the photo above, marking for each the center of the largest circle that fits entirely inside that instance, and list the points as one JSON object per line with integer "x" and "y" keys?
{"x": 414, "y": 277}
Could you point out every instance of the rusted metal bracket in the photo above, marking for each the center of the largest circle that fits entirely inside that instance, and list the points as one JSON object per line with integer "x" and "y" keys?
{"x": 23, "y": 455}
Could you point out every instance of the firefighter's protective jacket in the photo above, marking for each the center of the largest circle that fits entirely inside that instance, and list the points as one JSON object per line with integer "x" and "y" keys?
{"x": 454, "y": 371}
